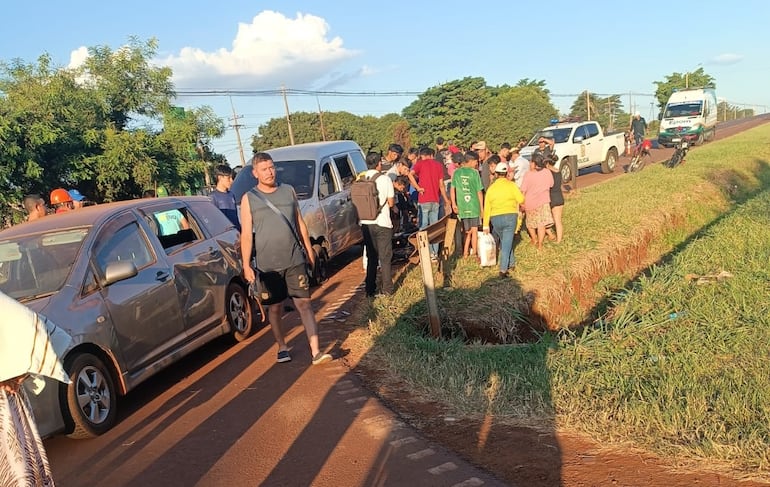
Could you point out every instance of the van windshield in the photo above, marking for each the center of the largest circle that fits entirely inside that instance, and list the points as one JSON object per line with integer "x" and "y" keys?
{"x": 689, "y": 109}
{"x": 299, "y": 174}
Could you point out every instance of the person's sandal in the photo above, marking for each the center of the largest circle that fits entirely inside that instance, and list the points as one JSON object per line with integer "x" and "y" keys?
{"x": 322, "y": 358}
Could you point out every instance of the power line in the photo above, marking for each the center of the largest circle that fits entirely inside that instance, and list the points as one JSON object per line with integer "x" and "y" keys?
{"x": 298, "y": 92}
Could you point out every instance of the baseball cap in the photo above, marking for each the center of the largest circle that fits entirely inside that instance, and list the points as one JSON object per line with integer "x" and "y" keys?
{"x": 501, "y": 168}
{"x": 76, "y": 195}
{"x": 480, "y": 145}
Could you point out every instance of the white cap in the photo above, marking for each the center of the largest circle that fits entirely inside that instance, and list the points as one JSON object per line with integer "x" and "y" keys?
{"x": 501, "y": 167}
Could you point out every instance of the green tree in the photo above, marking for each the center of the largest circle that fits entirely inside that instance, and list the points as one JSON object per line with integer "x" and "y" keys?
{"x": 607, "y": 111}
{"x": 678, "y": 81}
{"x": 447, "y": 110}
{"x": 127, "y": 83}
{"x": 515, "y": 112}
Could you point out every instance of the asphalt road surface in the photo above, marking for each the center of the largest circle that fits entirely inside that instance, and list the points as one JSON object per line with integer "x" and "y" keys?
{"x": 230, "y": 415}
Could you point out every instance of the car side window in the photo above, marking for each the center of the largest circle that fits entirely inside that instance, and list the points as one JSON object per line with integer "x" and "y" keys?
{"x": 344, "y": 167}
{"x": 175, "y": 228}
{"x": 592, "y": 129}
{"x": 358, "y": 161}
{"x": 126, "y": 244}
{"x": 327, "y": 185}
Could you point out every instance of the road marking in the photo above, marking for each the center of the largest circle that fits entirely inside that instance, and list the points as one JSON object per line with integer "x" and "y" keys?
{"x": 471, "y": 482}
{"x": 421, "y": 454}
{"x": 354, "y": 400}
{"x": 348, "y": 391}
{"x": 444, "y": 467}
{"x": 403, "y": 441}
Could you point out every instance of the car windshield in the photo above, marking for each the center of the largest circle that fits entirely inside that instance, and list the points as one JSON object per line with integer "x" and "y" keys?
{"x": 299, "y": 174}
{"x": 688, "y": 109}
{"x": 37, "y": 265}
{"x": 559, "y": 136}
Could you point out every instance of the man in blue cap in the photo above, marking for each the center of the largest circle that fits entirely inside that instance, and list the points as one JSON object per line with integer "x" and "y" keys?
{"x": 77, "y": 198}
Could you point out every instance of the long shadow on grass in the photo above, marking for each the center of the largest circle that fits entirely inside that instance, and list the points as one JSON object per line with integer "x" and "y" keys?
{"x": 736, "y": 186}
{"x": 470, "y": 395}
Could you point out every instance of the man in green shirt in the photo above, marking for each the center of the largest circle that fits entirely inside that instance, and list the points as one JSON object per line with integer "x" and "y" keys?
{"x": 468, "y": 198}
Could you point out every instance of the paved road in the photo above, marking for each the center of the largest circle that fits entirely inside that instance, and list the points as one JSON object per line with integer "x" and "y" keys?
{"x": 232, "y": 416}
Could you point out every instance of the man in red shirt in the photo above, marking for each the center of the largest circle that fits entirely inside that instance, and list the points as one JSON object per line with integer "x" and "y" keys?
{"x": 427, "y": 178}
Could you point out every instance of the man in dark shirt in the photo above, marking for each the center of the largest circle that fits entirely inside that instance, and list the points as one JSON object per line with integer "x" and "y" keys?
{"x": 280, "y": 234}
{"x": 638, "y": 127}
{"x": 222, "y": 197}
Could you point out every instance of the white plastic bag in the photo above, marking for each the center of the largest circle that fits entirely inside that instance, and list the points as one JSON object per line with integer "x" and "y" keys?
{"x": 487, "y": 250}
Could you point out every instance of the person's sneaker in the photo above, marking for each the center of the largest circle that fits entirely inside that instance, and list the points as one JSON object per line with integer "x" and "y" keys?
{"x": 322, "y": 358}
{"x": 283, "y": 356}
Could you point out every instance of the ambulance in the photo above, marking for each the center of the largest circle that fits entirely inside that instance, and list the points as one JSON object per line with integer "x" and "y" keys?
{"x": 690, "y": 114}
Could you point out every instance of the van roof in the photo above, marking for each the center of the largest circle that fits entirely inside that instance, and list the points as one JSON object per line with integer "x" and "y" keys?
{"x": 312, "y": 150}
{"x": 691, "y": 94}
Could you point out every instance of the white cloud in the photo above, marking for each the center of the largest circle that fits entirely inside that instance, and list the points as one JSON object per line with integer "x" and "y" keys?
{"x": 78, "y": 57}
{"x": 270, "y": 51}
{"x": 726, "y": 59}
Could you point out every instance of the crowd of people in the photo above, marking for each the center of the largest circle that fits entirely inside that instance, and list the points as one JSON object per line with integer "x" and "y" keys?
{"x": 498, "y": 193}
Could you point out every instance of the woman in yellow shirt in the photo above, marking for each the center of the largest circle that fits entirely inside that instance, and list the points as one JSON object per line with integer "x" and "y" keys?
{"x": 501, "y": 210}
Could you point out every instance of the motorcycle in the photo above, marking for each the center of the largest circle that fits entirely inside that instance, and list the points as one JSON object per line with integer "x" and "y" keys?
{"x": 681, "y": 146}
{"x": 641, "y": 152}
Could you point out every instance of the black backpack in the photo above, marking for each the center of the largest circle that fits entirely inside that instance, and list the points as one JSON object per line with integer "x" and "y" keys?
{"x": 365, "y": 197}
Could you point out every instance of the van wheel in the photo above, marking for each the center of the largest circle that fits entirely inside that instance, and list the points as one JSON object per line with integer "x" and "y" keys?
{"x": 608, "y": 165}
{"x": 700, "y": 139}
{"x": 238, "y": 311}
{"x": 91, "y": 396}
{"x": 321, "y": 268}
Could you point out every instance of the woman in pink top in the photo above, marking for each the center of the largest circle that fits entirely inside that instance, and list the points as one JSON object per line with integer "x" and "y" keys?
{"x": 536, "y": 187}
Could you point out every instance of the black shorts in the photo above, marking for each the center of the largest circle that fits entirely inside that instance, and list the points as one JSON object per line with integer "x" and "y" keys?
{"x": 469, "y": 223}
{"x": 292, "y": 282}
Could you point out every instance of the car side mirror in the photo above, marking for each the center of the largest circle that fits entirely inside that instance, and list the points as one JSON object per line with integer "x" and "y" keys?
{"x": 660, "y": 116}
{"x": 577, "y": 139}
{"x": 118, "y": 271}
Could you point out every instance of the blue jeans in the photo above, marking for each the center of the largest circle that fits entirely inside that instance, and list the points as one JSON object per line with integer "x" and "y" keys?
{"x": 428, "y": 215}
{"x": 503, "y": 227}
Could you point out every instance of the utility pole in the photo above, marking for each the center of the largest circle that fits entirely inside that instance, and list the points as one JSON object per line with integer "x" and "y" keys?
{"x": 237, "y": 127}
{"x": 321, "y": 117}
{"x": 588, "y": 105}
{"x": 288, "y": 119}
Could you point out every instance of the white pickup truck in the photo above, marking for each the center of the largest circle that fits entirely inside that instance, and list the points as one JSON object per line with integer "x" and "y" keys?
{"x": 584, "y": 140}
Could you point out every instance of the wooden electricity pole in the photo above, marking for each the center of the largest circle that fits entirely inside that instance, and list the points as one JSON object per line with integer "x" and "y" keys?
{"x": 288, "y": 119}
{"x": 237, "y": 127}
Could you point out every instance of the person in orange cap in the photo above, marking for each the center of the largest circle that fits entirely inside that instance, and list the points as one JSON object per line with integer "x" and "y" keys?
{"x": 61, "y": 200}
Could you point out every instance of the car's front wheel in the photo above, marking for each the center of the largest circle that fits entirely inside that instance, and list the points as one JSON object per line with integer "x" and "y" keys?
{"x": 238, "y": 309}
{"x": 91, "y": 396}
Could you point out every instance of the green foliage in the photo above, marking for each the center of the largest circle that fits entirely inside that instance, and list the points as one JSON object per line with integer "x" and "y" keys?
{"x": 607, "y": 111}
{"x": 105, "y": 128}
{"x": 514, "y": 112}
{"x": 447, "y": 110}
{"x": 678, "y": 81}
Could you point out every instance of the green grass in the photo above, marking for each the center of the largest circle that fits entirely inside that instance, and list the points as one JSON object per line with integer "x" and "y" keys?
{"x": 693, "y": 387}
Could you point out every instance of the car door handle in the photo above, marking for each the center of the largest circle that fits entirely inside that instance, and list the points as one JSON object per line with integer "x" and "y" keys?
{"x": 162, "y": 276}
{"x": 214, "y": 252}
{"x": 342, "y": 202}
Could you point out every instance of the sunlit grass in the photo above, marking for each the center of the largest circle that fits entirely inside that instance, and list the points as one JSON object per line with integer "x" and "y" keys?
{"x": 693, "y": 385}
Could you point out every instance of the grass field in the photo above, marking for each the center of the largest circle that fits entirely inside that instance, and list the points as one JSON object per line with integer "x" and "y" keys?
{"x": 661, "y": 361}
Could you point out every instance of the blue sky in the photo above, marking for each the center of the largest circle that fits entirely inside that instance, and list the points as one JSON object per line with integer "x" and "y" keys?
{"x": 363, "y": 46}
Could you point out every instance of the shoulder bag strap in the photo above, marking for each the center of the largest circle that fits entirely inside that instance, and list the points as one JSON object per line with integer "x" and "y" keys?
{"x": 278, "y": 212}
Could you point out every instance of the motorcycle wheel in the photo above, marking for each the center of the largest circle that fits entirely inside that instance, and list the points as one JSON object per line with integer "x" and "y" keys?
{"x": 675, "y": 159}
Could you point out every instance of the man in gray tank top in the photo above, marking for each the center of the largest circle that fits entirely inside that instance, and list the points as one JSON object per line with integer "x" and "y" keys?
{"x": 281, "y": 265}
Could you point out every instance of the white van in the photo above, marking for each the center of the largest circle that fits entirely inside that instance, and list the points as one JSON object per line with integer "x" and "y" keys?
{"x": 690, "y": 114}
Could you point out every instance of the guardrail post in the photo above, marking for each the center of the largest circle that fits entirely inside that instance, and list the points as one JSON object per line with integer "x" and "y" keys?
{"x": 423, "y": 248}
